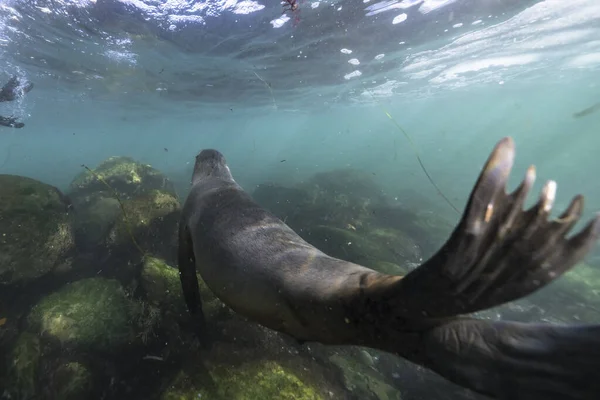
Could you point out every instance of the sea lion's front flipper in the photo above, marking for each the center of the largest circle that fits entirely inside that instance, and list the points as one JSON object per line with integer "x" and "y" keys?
{"x": 189, "y": 282}
{"x": 517, "y": 361}
{"x": 498, "y": 252}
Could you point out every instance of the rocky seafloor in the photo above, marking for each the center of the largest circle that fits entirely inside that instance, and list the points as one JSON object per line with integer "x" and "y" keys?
{"x": 91, "y": 304}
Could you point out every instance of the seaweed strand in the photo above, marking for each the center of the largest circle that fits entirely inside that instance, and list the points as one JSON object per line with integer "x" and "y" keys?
{"x": 127, "y": 224}
{"x": 268, "y": 85}
{"x": 414, "y": 149}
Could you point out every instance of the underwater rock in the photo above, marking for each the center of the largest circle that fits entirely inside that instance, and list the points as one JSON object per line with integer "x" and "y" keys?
{"x": 427, "y": 229}
{"x": 163, "y": 304}
{"x": 369, "y": 248}
{"x": 256, "y": 380}
{"x": 149, "y": 222}
{"x": 23, "y": 367}
{"x": 339, "y": 198}
{"x": 90, "y": 314}
{"x": 362, "y": 379}
{"x": 342, "y": 198}
{"x": 162, "y": 286}
{"x": 70, "y": 381}
{"x": 152, "y": 219}
{"x": 35, "y": 232}
{"x": 345, "y": 186}
{"x": 126, "y": 176}
{"x": 286, "y": 203}
{"x": 389, "y": 268}
{"x": 575, "y": 297}
{"x": 584, "y": 280}
{"x": 349, "y": 200}
{"x": 149, "y": 225}
{"x": 94, "y": 220}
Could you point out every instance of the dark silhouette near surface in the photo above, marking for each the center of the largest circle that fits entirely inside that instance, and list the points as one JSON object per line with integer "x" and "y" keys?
{"x": 11, "y": 91}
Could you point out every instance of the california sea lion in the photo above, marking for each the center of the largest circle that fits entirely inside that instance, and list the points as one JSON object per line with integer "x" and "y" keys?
{"x": 9, "y": 92}
{"x": 498, "y": 252}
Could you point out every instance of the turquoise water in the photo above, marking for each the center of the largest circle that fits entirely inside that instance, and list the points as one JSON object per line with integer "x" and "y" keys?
{"x": 521, "y": 73}
{"x": 160, "y": 80}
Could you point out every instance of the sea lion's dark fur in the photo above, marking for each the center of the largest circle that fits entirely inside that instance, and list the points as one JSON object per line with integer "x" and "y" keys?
{"x": 263, "y": 270}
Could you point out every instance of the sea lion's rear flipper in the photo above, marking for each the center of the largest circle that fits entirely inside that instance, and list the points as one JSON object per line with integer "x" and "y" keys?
{"x": 498, "y": 252}
{"x": 189, "y": 282}
{"x": 516, "y": 361}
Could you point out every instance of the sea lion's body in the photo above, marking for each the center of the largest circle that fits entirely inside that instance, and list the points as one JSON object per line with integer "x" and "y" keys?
{"x": 271, "y": 274}
{"x": 263, "y": 270}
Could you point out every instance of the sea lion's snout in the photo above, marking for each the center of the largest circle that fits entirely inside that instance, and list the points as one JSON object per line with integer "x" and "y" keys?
{"x": 210, "y": 156}
{"x": 211, "y": 163}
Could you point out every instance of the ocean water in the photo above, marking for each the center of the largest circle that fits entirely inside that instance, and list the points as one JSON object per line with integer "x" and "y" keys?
{"x": 286, "y": 96}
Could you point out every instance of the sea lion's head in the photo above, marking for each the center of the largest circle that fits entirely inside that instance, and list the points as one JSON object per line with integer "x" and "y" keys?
{"x": 210, "y": 164}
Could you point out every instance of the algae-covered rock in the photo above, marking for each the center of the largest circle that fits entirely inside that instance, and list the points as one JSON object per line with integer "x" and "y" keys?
{"x": 163, "y": 289}
{"x": 94, "y": 220}
{"x": 401, "y": 248}
{"x": 574, "y": 297}
{"x": 338, "y": 198}
{"x": 251, "y": 381}
{"x": 71, "y": 381}
{"x": 285, "y": 203}
{"x": 162, "y": 284}
{"x": 430, "y": 230}
{"x": 584, "y": 280}
{"x": 90, "y": 314}
{"x": 349, "y": 200}
{"x": 126, "y": 176}
{"x": 35, "y": 231}
{"x": 363, "y": 380}
{"x": 23, "y": 367}
{"x": 368, "y": 248}
{"x": 389, "y": 268}
{"x": 124, "y": 205}
{"x": 344, "y": 187}
{"x": 427, "y": 229}
{"x": 152, "y": 219}
{"x": 148, "y": 224}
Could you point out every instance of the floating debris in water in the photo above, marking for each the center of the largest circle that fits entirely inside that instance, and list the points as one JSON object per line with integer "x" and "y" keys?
{"x": 150, "y": 357}
{"x": 587, "y": 111}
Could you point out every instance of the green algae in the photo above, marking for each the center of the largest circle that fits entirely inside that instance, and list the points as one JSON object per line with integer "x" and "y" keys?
{"x": 125, "y": 175}
{"x": 574, "y": 297}
{"x": 125, "y": 205}
{"x": 71, "y": 381}
{"x": 163, "y": 289}
{"x": 144, "y": 210}
{"x": 369, "y": 248}
{"x": 91, "y": 313}
{"x": 363, "y": 380}
{"x": 35, "y": 231}
{"x": 95, "y": 220}
{"x": 251, "y": 381}
{"x": 23, "y": 366}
